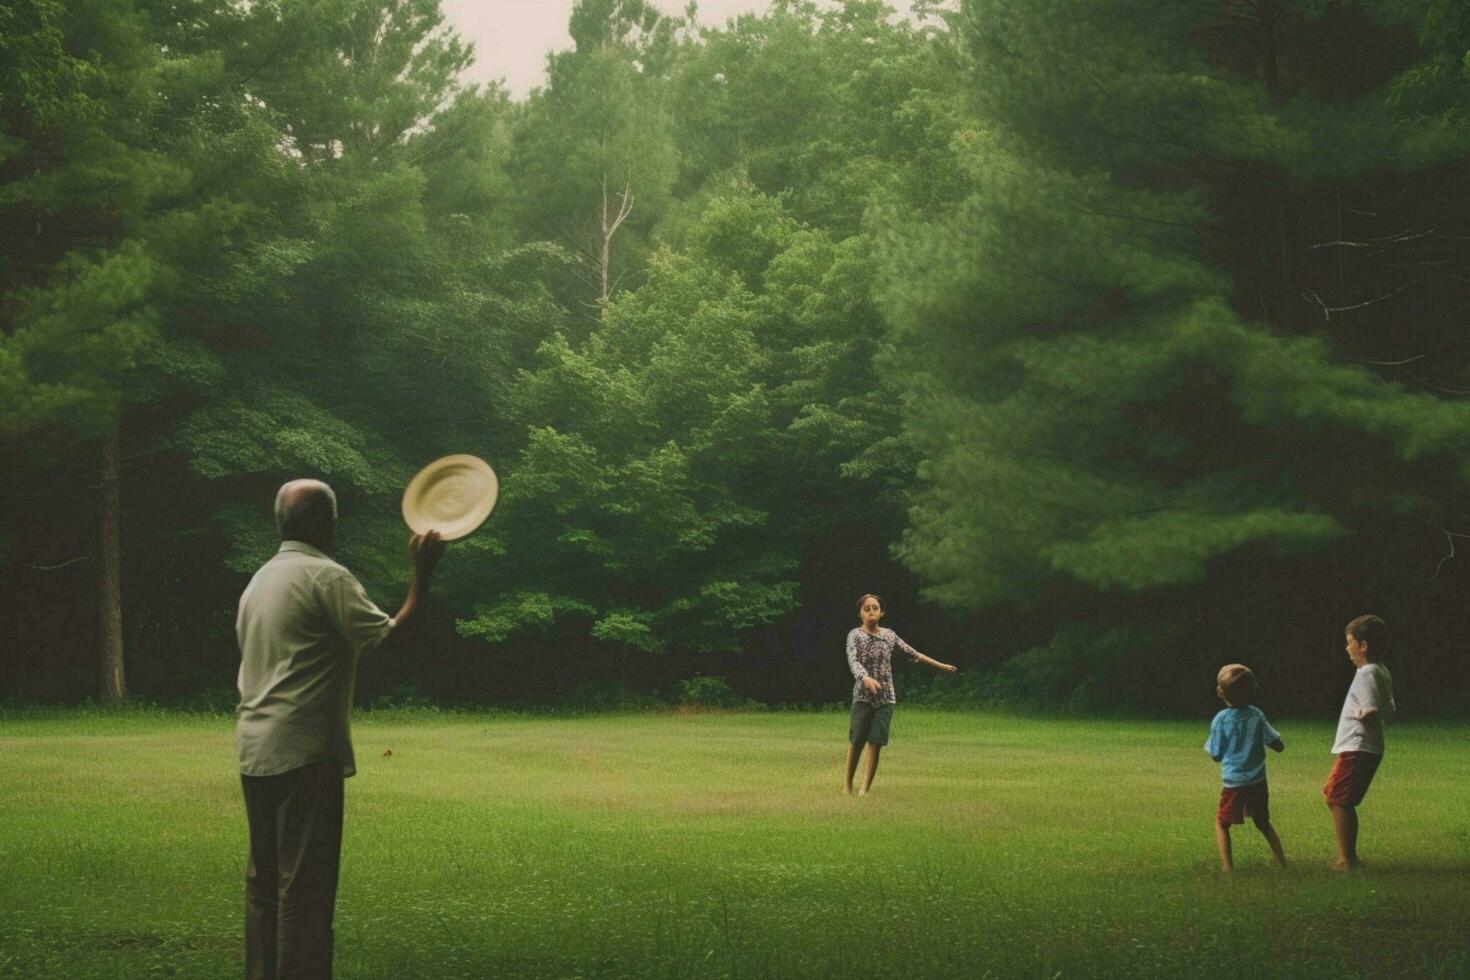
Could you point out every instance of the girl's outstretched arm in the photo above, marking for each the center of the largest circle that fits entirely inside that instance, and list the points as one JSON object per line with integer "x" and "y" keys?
{"x": 936, "y": 664}
{"x": 921, "y": 658}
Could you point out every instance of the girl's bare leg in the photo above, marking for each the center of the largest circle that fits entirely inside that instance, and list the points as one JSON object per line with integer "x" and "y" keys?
{"x": 853, "y": 751}
{"x": 873, "y": 751}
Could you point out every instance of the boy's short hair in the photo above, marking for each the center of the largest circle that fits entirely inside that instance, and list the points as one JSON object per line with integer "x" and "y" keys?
{"x": 1373, "y": 631}
{"x": 1236, "y": 685}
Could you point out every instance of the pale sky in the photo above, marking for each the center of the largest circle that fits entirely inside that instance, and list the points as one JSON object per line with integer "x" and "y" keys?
{"x": 512, "y": 37}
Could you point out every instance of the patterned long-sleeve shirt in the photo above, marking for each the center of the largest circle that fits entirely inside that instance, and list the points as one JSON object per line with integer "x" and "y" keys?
{"x": 871, "y": 655}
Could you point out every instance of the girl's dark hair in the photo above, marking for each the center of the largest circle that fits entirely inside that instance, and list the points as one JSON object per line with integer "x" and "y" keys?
{"x": 866, "y": 597}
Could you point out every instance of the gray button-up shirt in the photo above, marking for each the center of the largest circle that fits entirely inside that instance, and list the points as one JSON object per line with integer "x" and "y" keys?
{"x": 303, "y": 622}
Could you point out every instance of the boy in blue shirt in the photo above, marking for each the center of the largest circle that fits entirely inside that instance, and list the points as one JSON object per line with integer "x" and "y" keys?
{"x": 1238, "y": 738}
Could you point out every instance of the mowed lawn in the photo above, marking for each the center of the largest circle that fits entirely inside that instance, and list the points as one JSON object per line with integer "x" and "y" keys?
{"x": 714, "y": 845}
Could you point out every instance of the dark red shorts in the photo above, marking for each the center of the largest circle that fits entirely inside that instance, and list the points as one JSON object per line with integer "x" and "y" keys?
{"x": 1352, "y": 774}
{"x": 1239, "y": 802}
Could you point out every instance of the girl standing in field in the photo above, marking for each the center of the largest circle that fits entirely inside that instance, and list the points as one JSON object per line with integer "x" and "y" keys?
{"x": 870, "y": 657}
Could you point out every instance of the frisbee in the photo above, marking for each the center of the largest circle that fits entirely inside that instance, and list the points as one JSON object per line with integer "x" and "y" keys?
{"x": 452, "y": 495}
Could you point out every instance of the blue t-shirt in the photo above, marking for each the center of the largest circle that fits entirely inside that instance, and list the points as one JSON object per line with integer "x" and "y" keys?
{"x": 1238, "y": 740}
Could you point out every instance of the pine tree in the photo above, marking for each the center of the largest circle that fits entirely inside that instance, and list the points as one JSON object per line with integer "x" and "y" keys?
{"x": 1154, "y": 349}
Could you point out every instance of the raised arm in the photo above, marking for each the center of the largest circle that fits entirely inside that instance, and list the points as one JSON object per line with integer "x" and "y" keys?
{"x": 426, "y": 550}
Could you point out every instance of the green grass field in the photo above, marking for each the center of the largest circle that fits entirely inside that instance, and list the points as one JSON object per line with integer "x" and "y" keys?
{"x": 714, "y": 845}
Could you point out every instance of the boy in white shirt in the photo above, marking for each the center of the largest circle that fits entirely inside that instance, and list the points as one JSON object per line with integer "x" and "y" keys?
{"x": 1359, "y": 743}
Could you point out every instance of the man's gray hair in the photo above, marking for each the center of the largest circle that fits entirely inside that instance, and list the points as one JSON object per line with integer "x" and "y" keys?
{"x": 305, "y": 509}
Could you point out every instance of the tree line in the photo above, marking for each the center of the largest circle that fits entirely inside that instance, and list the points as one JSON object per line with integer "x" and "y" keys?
{"x": 1108, "y": 341}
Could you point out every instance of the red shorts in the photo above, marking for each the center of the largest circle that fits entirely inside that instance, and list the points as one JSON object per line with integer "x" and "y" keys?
{"x": 1351, "y": 775}
{"x": 1239, "y": 802}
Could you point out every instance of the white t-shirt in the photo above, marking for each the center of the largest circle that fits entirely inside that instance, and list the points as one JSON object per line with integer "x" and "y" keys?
{"x": 1372, "y": 688}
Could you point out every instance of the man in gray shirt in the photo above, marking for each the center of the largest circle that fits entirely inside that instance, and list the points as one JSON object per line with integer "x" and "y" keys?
{"x": 303, "y": 622}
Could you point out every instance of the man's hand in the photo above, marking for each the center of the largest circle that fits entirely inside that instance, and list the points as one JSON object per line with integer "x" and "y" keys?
{"x": 426, "y": 550}
{"x": 873, "y": 686}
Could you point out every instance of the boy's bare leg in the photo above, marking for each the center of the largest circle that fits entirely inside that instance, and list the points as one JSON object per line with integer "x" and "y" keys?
{"x": 1345, "y": 825}
{"x": 853, "y": 752}
{"x": 873, "y": 751}
{"x": 1269, "y": 832}
{"x": 1222, "y": 837}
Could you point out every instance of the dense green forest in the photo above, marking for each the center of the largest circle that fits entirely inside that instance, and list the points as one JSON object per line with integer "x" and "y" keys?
{"x": 1109, "y": 340}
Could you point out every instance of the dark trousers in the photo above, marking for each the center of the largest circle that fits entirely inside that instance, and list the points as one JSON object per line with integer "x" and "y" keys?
{"x": 291, "y": 881}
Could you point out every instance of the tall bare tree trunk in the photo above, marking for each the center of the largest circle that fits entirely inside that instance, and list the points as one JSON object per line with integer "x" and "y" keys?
{"x": 606, "y": 254}
{"x": 109, "y": 577}
{"x": 610, "y": 225}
